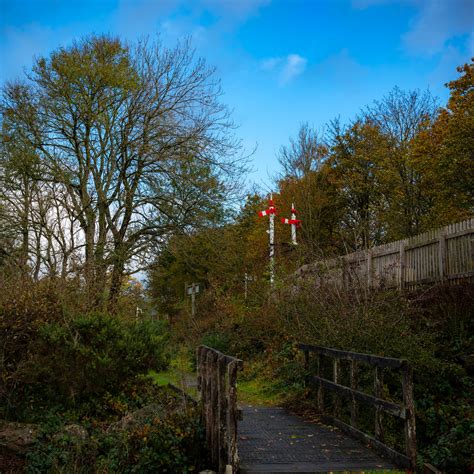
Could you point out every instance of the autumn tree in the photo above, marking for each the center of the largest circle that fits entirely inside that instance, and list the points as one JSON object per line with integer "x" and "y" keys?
{"x": 454, "y": 130}
{"x": 358, "y": 155}
{"x": 138, "y": 141}
{"x": 308, "y": 182}
{"x": 401, "y": 116}
{"x": 216, "y": 257}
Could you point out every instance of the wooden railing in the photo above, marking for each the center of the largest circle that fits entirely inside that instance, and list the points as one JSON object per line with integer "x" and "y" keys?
{"x": 443, "y": 255}
{"x": 217, "y": 378}
{"x": 405, "y": 411}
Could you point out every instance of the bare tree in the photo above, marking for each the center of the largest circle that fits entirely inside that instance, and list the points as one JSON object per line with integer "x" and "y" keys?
{"x": 401, "y": 116}
{"x": 305, "y": 153}
{"x": 137, "y": 139}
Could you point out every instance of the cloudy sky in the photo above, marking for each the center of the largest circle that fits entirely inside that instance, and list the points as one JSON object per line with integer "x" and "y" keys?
{"x": 282, "y": 62}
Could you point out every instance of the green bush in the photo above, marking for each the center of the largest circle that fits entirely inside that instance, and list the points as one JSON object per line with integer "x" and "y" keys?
{"x": 87, "y": 359}
{"x": 173, "y": 443}
{"x": 217, "y": 340}
{"x": 165, "y": 437}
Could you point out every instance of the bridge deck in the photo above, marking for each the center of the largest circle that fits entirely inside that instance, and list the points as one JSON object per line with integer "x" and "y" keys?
{"x": 273, "y": 440}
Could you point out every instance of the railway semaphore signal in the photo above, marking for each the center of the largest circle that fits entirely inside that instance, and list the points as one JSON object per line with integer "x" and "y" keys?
{"x": 294, "y": 222}
{"x": 271, "y": 212}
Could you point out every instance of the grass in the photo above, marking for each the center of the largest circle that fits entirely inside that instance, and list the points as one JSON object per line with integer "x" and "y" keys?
{"x": 179, "y": 373}
{"x": 258, "y": 392}
{"x": 253, "y": 390}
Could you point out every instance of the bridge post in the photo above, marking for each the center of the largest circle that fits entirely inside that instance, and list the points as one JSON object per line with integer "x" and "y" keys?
{"x": 233, "y": 459}
{"x": 222, "y": 413}
{"x": 354, "y": 386}
{"x": 320, "y": 394}
{"x": 208, "y": 405}
{"x": 378, "y": 391}
{"x": 214, "y": 410}
{"x": 198, "y": 370}
{"x": 336, "y": 400}
{"x": 410, "y": 427}
{"x": 306, "y": 369}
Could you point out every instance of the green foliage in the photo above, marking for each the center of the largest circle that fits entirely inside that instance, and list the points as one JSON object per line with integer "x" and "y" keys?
{"x": 447, "y": 450}
{"x": 418, "y": 327}
{"x": 167, "y": 437}
{"x": 88, "y": 358}
{"x": 217, "y": 340}
{"x": 170, "y": 444}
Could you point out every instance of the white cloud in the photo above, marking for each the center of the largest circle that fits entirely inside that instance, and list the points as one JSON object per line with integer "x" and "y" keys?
{"x": 270, "y": 64}
{"x": 294, "y": 66}
{"x": 286, "y": 68}
{"x": 436, "y": 23}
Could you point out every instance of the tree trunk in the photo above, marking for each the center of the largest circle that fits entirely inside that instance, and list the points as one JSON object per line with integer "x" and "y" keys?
{"x": 117, "y": 277}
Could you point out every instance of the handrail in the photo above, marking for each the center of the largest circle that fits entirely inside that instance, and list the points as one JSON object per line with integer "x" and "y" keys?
{"x": 404, "y": 411}
{"x": 379, "y": 361}
{"x": 217, "y": 386}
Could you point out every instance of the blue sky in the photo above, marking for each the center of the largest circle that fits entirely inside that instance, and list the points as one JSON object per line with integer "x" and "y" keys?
{"x": 282, "y": 62}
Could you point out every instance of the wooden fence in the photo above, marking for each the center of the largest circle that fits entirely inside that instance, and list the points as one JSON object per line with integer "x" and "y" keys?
{"x": 404, "y": 411}
{"x": 217, "y": 377}
{"x": 441, "y": 255}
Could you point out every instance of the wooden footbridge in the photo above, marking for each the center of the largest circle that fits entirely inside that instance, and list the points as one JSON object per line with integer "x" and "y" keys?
{"x": 337, "y": 438}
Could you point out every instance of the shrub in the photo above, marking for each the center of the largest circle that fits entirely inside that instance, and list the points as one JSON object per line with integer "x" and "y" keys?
{"x": 430, "y": 328}
{"x": 165, "y": 436}
{"x": 87, "y": 359}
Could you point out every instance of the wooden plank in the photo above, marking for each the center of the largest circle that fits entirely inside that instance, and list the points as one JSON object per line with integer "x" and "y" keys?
{"x": 401, "y": 271}
{"x": 394, "y": 456}
{"x": 183, "y": 394}
{"x": 442, "y": 257}
{"x": 369, "y": 269}
{"x": 460, "y": 275}
{"x": 388, "y": 407}
{"x": 427, "y": 264}
{"x": 430, "y": 469}
{"x": 380, "y": 361}
{"x": 459, "y": 233}
{"x": 228, "y": 358}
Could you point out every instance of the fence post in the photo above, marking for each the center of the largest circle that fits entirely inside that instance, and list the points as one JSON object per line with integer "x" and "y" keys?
{"x": 410, "y": 427}
{"x": 354, "y": 385}
{"x": 442, "y": 256}
{"x": 378, "y": 390}
{"x": 369, "y": 268}
{"x": 401, "y": 273}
